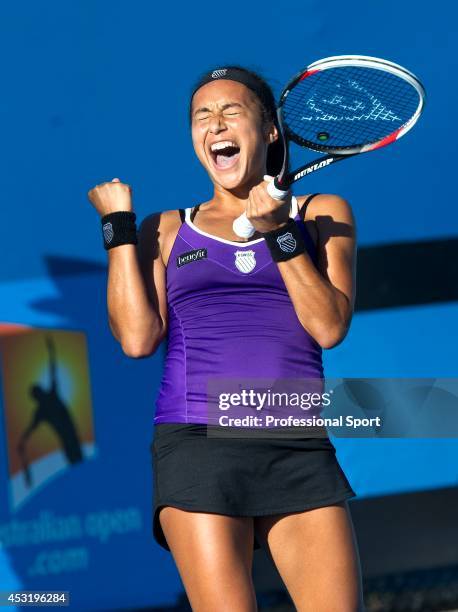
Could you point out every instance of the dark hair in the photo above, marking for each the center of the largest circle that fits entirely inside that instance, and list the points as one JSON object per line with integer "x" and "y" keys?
{"x": 268, "y": 108}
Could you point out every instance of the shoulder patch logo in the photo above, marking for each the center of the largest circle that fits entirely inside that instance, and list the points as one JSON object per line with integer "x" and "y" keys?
{"x": 190, "y": 256}
{"x": 245, "y": 261}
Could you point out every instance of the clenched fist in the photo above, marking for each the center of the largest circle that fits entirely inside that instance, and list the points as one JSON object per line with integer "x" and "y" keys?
{"x": 111, "y": 197}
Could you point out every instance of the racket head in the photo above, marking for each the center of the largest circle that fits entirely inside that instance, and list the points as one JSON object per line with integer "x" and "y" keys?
{"x": 350, "y": 104}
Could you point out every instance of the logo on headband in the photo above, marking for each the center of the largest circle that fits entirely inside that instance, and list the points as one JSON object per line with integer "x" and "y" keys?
{"x": 217, "y": 74}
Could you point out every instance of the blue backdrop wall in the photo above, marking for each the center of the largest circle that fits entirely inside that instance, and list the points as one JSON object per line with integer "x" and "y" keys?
{"x": 93, "y": 90}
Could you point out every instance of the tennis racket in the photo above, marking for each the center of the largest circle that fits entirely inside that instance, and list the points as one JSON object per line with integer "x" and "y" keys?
{"x": 342, "y": 106}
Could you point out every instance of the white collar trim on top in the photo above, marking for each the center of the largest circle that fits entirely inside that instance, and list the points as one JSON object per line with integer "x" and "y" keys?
{"x": 188, "y": 211}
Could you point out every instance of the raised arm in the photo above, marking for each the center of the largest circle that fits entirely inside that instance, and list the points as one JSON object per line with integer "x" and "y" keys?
{"x": 136, "y": 285}
{"x": 137, "y": 304}
{"x": 324, "y": 298}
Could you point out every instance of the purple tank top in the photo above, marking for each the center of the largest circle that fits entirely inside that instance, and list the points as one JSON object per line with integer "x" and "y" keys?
{"x": 229, "y": 316}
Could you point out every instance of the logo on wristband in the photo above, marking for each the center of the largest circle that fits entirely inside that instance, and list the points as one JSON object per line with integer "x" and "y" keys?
{"x": 108, "y": 232}
{"x": 287, "y": 242}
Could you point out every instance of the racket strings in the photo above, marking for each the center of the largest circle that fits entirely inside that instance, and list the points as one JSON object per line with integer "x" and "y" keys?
{"x": 348, "y": 106}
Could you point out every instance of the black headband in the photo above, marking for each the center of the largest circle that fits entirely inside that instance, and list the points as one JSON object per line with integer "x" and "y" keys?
{"x": 262, "y": 91}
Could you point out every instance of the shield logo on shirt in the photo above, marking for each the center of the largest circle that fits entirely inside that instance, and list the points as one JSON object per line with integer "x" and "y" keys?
{"x": 287, "y": 242}
{"x": 245, "y": 261}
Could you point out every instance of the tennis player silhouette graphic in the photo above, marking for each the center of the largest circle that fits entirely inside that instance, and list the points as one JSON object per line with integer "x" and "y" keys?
{"x": 51, "y": 409}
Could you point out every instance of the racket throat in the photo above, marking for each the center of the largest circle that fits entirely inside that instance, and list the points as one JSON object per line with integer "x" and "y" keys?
{"x": 315, "y": 165}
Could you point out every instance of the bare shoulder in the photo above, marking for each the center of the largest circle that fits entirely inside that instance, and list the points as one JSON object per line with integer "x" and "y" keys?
{"x": 159, "y": 229}
{"x": 161, "y": 220}
{"x": 326, "y": 216}
{"x": 325, "y": 204}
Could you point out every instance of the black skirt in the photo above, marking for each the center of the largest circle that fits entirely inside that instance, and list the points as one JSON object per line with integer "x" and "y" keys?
{"x": 240, "y": 476}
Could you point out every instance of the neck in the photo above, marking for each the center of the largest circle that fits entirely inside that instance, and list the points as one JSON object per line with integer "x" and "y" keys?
{"x": 233, "y": 201}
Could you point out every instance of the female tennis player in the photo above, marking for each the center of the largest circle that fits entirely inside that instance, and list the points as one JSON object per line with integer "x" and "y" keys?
{"x": 231, "y": 308}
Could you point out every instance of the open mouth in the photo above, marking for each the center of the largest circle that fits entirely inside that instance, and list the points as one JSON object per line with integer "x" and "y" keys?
{"x": 225, "y": 154}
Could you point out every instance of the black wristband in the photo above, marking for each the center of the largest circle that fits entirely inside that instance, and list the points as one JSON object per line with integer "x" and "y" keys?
{"x": 119, "y": 228}
{"x": 285, "y": 242}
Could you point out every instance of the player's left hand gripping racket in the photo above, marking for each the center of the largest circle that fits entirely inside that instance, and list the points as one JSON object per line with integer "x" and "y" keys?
{"x": 342, "y": 106}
